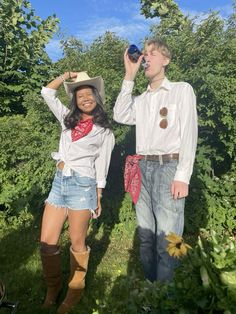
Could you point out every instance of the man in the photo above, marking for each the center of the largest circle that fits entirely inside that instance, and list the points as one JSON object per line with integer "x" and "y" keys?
{"x": 166, "y": 135}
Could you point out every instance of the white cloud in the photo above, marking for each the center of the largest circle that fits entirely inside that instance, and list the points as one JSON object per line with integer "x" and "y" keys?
{"x": 131, "y": 30}
{"x": 123, "y": 19}
{"x": 224, "y": 11}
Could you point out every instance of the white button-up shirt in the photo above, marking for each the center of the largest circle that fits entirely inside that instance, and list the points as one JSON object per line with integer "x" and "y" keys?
{"x": 180, "y": 136}
{"x": 90, "y": 155}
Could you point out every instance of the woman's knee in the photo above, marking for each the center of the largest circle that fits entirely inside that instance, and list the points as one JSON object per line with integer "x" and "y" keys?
{"x": 77, "y": 241}
{"x": 78, "y": 245}
{"x": 48, "y": 249}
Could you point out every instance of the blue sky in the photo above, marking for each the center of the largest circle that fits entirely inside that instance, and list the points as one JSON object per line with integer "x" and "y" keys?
{"x": 88, "y": 19}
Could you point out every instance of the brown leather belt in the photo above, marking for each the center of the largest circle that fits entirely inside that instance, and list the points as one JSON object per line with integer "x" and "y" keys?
{"x": 161, "y": 158}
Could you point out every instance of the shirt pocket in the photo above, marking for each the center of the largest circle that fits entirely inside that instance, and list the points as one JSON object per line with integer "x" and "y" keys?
{"x": 171, "y": 115}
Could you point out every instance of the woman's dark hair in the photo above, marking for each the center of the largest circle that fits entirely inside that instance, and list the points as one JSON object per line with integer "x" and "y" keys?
{"x": 99, "y": 115}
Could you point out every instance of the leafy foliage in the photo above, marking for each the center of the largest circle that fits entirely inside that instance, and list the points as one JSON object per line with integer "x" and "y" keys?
{"x": 26, "y": 140}
{"x": 167, "y": 10}
{"x": 206, "y": 277}
{"x": 203, "y": 55}
{"x": 203, "y": 283}
{"x": 25, "y": 172}
{"x": 23, "y": 60}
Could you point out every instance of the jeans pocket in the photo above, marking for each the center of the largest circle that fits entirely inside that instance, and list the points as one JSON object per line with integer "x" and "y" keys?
{"x": 84, "y": 181}
{"x": 166, "y": 198}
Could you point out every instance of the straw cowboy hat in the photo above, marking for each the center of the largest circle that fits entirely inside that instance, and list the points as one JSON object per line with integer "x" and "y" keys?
{"x": 83, "y": 79}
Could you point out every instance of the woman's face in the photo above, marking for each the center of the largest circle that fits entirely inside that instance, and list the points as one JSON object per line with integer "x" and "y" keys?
{"x": 85, "y": 99}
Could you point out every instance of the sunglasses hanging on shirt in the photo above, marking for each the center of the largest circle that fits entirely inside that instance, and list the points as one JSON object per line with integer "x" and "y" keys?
{"x": 163, "y": 113}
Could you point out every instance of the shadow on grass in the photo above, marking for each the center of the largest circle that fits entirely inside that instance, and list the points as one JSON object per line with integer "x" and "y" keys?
{"x": 117, "y": 302}
{"x": 19, "y": 267}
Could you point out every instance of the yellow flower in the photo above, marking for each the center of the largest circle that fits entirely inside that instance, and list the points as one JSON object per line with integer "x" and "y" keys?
{"x": 174, "y": 238}
{"x": 184, "y": 248}
{"x": 176, "y": 247}
{"x": 173, "y": 250}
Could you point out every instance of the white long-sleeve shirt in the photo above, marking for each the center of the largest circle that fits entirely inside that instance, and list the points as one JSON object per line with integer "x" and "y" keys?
{"x": 90, "y": 155}
{"x": 143, "y": 111}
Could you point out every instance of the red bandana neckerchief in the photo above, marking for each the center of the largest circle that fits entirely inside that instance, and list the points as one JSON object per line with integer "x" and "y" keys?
{"x": 82, "y": 128}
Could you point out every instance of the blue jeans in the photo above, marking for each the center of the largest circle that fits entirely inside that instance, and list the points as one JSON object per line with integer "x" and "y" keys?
{"x": 158, "y": 214}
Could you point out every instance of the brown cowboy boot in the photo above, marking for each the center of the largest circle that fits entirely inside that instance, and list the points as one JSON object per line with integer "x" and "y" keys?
{"x": 52, "y": 275}
{"x": 78, "y": 270}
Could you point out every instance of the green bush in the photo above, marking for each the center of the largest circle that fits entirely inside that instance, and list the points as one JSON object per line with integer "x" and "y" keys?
{"x": 25, "y": 162}
{"x": 205, "y": 282}
{"x": 203, "y": 55}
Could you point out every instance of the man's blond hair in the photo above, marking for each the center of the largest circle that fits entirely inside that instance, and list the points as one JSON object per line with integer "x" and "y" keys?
{"x": 160, "y": 45}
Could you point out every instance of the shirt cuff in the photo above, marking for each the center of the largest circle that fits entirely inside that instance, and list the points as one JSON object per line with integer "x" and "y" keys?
{"x": 127, "y": 85}
{"x": 101, "y": 184}
{"x": 182, "y": 176}
{"x": 48, "y": 91}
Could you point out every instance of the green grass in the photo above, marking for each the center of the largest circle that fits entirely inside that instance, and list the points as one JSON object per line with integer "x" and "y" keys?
{"x": 114, "y": 282}
{"x": 114, "y": 256}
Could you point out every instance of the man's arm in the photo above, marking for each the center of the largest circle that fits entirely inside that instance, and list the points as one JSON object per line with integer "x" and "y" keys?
{"x": 124, "y": 106}
{"x": 188, "y": 136}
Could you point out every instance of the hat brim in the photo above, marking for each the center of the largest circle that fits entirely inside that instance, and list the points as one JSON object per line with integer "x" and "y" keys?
{"x": 96, "y": 82}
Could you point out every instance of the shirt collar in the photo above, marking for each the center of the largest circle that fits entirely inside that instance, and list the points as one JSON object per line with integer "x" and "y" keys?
{"x": 165, "y": 84}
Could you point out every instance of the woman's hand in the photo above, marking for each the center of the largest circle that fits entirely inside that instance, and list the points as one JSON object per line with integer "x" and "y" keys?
{"x": 69, "y": 75}
{"x": 97, "y": 211}
{"x": 73, "y": 75}
{"x": 56, "y": 83}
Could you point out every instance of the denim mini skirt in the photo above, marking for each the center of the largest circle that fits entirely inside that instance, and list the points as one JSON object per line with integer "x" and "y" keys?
{"x": 73, "y": 192}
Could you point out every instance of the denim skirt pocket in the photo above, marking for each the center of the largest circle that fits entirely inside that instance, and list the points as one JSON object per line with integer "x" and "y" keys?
{"x": 84, "y": 181}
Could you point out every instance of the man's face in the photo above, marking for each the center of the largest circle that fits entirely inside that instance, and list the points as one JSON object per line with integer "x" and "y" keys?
{"x": 85, "y": 99}
{"x": 155, "y": 62}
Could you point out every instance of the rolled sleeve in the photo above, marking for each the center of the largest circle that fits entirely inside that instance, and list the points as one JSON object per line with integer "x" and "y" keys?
{"x": 124, "y": 109}
{"x": 188, "y": 135}
{"x": 54, "y": 103}
{"x": 102, "y": 162}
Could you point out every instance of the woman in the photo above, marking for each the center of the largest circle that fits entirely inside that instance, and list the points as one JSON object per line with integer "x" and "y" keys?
{"x": 83, "y": 160}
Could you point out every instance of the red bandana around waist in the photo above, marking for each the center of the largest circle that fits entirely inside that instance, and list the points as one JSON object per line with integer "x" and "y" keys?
{"x": 82, "y": 128}
{"x": 132, "y": 176}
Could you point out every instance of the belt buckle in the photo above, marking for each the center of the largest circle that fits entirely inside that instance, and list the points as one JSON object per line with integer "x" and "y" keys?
{"x": 61, "y": 165}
